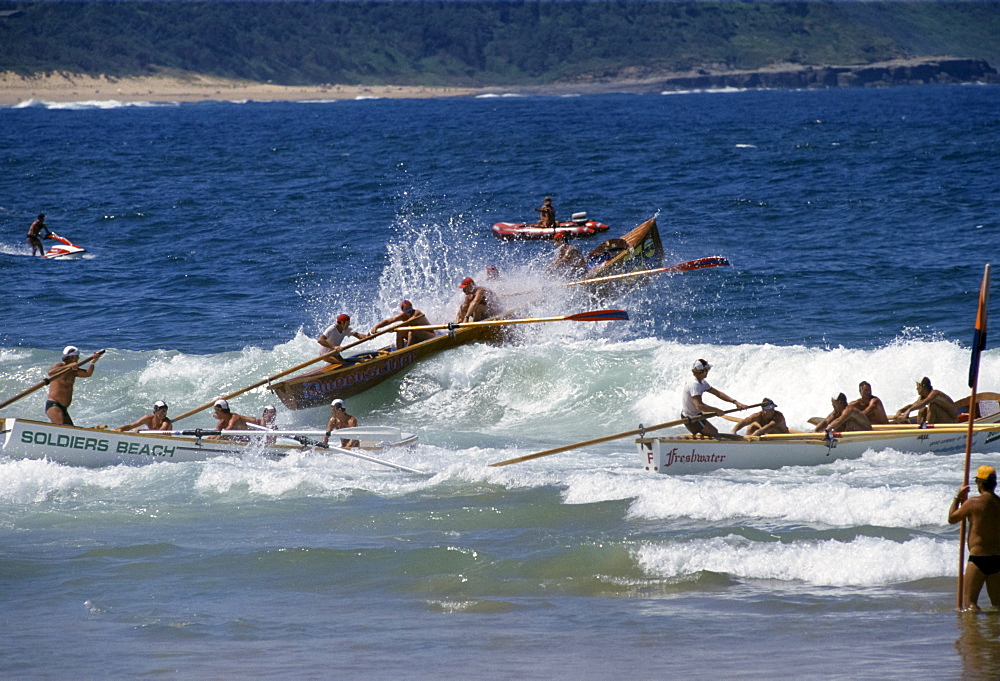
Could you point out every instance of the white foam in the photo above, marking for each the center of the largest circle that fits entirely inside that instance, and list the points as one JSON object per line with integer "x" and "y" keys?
{"x": 864, "y": 561}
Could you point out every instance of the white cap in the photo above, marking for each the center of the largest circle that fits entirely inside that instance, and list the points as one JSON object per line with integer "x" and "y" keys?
{"x": 338, "y": 403}
{"x": 270, "y": 408}
{"x": 158, "y": 404}
{"x": 701, "y": 365}
{"x": 222, "y": 404}
{"x": 71, "y": 351}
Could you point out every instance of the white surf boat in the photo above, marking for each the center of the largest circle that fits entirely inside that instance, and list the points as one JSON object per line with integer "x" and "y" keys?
{"x": 94, "y": 447}
{"x": 683, "y": 455}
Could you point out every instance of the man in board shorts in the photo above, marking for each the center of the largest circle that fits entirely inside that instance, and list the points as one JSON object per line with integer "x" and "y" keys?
{"x": 35, "y": 235}
{"x": 983, "y": 514}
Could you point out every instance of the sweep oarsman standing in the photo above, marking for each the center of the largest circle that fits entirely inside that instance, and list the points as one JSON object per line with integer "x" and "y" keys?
{"x": 692, "y": 405}
{"x": 61, "y": 387}
{"x": 983, "y": 514}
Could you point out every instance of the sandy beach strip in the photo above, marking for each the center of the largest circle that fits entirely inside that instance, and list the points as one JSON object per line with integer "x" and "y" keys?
{"x": 68, "y": 87}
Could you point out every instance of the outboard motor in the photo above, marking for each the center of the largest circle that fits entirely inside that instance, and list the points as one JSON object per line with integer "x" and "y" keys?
{"x": 579, "y": 219}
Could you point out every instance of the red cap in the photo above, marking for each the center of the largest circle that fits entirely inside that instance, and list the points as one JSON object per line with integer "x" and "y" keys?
{"x": 343, "y": 318}
{"x": 466, "y": 282}
{"x": 405, "y": 305}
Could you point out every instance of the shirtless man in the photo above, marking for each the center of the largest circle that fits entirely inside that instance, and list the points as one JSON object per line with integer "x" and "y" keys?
{"x": 479, "y": 303}
{"x": 333, "y": 338}
{"x": 267, "y": 418}
{"x": 983, "y": 513}
{"x": 339, "y": 418}
{"x": 61, "y": 387}
{"x": 870, "y": 405}
{"x": 156, "y": 421}
{"x": 410, "y": 317}
{"x": 767, "y": 420}
{"x": 546, "y": 214}
{"x": 568, "y": 260}
{"x": 34, "y": 234}
{"x": 933, "y": 406}
{"x": 692, "y": 405}
{"x": 843, "y": 417}
{"x": 226, "y": 419}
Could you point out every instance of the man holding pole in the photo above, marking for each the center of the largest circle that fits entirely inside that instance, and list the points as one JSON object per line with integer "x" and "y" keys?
{"x": 983, "y": 514}
{"x": 62, "y": 379}
{"x": 693, "y": 406}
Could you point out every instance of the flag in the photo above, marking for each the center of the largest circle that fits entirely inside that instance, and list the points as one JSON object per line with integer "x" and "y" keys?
{"x": 979, "y": 340}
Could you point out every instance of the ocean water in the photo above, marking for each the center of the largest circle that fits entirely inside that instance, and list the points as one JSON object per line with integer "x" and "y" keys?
{"x": 223, "y": 237}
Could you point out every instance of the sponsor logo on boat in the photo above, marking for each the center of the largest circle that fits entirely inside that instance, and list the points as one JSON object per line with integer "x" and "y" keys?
{"x": 693, "y": 457}
{"x": 94, "y": 444}
{"x": 320, "y": 389}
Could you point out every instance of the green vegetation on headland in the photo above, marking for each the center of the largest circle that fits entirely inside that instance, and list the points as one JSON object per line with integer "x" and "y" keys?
{"x": 478, "y": 44}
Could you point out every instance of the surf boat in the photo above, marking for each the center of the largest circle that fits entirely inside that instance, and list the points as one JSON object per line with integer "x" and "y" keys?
{"x": 366, "y": 370}
{"x": 64, "y": 248}
{"x": 637, "y": 250}
{"x": 683, "y": 455}
{"x": 578, "y": 226}
{"x": 95, "y": 447}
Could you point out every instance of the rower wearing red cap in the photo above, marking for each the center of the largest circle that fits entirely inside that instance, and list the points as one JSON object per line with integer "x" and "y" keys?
{"x": 408, "y": 316}
{"x": 479, "y": 303}
{"x": 333, "y": 338}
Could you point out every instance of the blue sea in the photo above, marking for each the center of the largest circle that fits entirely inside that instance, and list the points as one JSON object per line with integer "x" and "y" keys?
{"x": 222, "y": 238}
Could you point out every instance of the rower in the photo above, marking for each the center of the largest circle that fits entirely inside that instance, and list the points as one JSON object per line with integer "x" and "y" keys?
{"x": 933, "y": 406}
{"x": 157, "y": 420}
{"x": 870, "y": 405}
{"x": 844, "y": 417}
{"x": 226, "y": 419}
{"x": 479, "y": 303}
{"x": 569, "y": 260}
{"x": 767, "y": 420}
{"x": 408, "y": 316}
{"x": 339, "y": 418}
{"x": 333, "y": 337}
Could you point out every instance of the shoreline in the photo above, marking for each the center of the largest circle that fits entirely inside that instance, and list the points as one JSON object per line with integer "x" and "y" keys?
{"x": 64, "y": 87}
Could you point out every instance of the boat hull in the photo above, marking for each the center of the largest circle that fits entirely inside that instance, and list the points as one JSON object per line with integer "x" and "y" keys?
{"x": 638, "y": 249}
{"x": 96, "y": 447}
{"x": 689, "y": 454}
{"x": 524, "y": 231}
{"x": 322, "y": 386}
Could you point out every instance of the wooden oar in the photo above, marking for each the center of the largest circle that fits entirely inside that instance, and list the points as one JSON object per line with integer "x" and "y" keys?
{"x": 287, "y": 371}
{"x": 686, "y": 266}
{"x": 618, "y": 436}
{"x": 594, "y": 316}
{"x": 48, "y": 379}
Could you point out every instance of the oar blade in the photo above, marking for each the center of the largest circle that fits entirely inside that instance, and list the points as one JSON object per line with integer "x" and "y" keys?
{"x": 599, "y": 316}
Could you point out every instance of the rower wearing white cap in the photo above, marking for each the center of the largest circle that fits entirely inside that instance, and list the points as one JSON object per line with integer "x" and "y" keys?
{"x": 61, "y": 387}
{"x": 155, "y": 421}
{"x": 339, "y": 418}
{"x": 227, "y": 419}
{"x": 691, "y": 404}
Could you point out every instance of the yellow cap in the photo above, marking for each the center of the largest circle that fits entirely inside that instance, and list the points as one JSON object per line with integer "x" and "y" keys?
{"x": 985, "y": 472}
